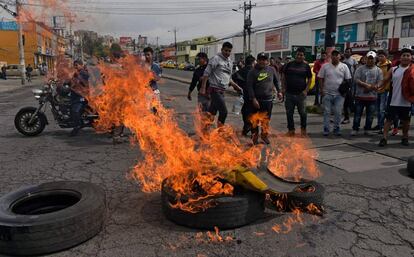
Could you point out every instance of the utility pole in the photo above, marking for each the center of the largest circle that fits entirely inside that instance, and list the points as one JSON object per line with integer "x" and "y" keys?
{"x": 394, "y": 8}
{"x": 249, "y": 23}
{"x": 21, "y": 44}
{"x": 330, "y": 29}
{"x": 244, "y": 31}
{"x": 375, "y": 8}
{"x": 175, "y": 42}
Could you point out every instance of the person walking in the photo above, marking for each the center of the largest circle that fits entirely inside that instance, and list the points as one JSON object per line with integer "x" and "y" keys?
{"x": 29, "y": 71}
{"x": 367, "y": 78}
{"x": 261, "y": 81}
{"x": 157, "y": 73}
{"x": 296, "y": 80}
{"x": 240, "y": 78}
{"x": 316, "y": 68}
{"x": 382, "y": 95}
{"x": 218, "y": 73}
{"x": 402, "y": 96}
{"x": 331, "y": 76}
{"x": 203, "y": 101}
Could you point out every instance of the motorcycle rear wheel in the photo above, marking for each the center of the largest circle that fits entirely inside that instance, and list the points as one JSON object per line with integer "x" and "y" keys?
{"x": 22, "y": 118}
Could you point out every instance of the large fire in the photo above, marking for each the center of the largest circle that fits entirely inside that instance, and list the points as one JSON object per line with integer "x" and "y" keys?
{"x": 197, "y": 164}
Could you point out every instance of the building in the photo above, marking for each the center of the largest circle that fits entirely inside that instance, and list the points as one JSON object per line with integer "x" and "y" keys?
{"x": 188, "y": 50}
{"x": 354, "y": 30}
{"x": 41, "y": 44}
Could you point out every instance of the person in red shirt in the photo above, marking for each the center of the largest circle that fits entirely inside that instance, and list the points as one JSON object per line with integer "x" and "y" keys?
{"x": 316, "y": 68}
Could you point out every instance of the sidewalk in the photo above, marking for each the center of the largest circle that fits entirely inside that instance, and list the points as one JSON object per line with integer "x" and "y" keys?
{"x": 14, "y": 83}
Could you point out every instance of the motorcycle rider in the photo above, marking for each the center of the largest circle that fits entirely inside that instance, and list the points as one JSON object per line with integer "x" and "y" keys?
{"x": 79, "y": 88}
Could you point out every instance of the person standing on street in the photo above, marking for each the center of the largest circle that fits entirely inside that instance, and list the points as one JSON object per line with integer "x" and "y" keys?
{"x": 157, "y": 73}
{"x": 296, "y": 80}
{"x": 240, "y": 78}
{"x": 218, "y": 73}
{"x": 29, "y": 71}
{"x": 261, "y": 81}
{"x": 349, "y": 98}
{"x": 203, "y": 101}
{"x": 367, "y": 78}
{"x": 402, "y": 77}
{"x": 331, "y": 76}
{"x": 385, "y": 65}
{"x": 316, "y": 68}
{"x": 3, "y": 72}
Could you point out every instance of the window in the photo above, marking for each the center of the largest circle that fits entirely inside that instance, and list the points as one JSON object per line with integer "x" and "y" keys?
{"x": 193, "y": 47}
{"x": 381, "y": 29}
{"x": 407, "y": 26}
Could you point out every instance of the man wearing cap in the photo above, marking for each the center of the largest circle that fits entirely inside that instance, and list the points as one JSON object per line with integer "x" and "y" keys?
{"x": 331, "y": 76}
{"x": 368, "y": 79}
{"x": 203, "y": 101}
{"x": 260, "y": 83}
{"x": 296, "y": 80}
{"x": 400, "y": 104}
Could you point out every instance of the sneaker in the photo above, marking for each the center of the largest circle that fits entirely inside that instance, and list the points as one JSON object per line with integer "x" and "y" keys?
{"x": 405, "y": 142}
{"x": 290, "y": 133}
{"x": 383, "y": 142}
{"x": 354, "y": 133}
{"x": 266, "y": 140}
{"x": 337, "y": 132}
{"x": 74, "y": 131}
{"x": 394, "y": 131}
{"x": 376, "y": 128}
{"x": 325, "y": 132}
{"x": 380, "y": 132}
{"x": 345, "y": 121}
{"x": 303, "y": 132}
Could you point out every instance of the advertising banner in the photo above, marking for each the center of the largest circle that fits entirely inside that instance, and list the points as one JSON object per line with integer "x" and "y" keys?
{"x": 277, "y": 39}
{"x": 319, "y": 37}
{"x": 347, "y": 33}
{"x": 8, "y": 25}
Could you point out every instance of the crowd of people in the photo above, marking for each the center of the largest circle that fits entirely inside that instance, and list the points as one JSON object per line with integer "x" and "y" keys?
{"x": 343, "y": 85}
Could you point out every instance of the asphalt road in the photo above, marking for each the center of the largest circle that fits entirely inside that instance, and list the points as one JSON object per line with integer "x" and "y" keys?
{"x": 369, "y": 197}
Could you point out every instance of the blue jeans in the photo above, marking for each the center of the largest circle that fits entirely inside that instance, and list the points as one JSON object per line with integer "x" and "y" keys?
{"x": 359, "y": 108}
{"x": 381, "y": 106}
{"x": 291, "y": 101}
{"x": 335, "y": 103}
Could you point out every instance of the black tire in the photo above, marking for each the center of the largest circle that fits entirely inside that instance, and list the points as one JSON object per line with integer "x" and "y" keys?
{"x": 22, "y": 118}
{"x": 410, "y": 166}
{"x": 305, "y": 194}
{"x": 50, "y": 217}
{"x": 229, "y": 212}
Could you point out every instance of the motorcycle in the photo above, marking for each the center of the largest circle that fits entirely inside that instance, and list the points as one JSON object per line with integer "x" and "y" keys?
{"x": 31, "y": 121}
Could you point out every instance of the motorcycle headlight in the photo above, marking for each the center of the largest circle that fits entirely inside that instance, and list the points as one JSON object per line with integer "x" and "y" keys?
{"x": 37, "y": 93}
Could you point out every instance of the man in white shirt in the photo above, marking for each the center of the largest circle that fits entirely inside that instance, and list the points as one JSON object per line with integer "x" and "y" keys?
{"x": 331, "y": 76}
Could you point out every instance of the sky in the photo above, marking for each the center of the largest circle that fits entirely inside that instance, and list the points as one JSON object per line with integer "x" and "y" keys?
{"x": 158, "y": 18}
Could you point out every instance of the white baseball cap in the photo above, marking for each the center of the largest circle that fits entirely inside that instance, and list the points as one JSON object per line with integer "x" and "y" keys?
{"x": 372, "y": 54}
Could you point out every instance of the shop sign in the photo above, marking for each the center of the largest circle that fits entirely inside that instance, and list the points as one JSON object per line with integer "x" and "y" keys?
{"x": 347, "y": 33}
{"x": 277, "y": 39}
{"x": 364, "y": 45}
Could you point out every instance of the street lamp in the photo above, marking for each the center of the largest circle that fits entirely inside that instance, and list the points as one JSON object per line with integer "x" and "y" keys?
{"x": 175, "y": 42}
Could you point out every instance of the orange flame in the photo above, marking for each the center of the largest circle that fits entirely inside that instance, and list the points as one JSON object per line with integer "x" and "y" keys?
{"x": 287, "y": 225}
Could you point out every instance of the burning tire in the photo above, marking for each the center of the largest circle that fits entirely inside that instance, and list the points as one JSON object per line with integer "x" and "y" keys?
{"x": 242, "y": 208}
{"x": 306, "y": 196}
{"x": 410, "y": 166}
{"x": 50, "y": 217}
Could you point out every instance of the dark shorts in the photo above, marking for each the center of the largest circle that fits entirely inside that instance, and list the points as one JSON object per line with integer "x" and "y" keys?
{"x": 401, "y": 112}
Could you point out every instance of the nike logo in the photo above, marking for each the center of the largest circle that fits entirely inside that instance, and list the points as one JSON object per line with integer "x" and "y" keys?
{"x": 262, "y": 76}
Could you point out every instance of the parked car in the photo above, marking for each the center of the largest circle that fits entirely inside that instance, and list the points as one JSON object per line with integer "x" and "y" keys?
{"x": 186, "y": 66}
{"x": 13, "y": 70}
{"x": 169, "y": 64}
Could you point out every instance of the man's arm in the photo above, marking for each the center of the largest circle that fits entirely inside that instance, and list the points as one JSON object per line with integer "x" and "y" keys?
{"x": 386, "y": 80}
{"x": 321, "y": 78}
{"x": 235, "y": 86}
{"x": 309, "y": 82}
{"x": 193, "y": 84}
{"x": 204, "y": 80}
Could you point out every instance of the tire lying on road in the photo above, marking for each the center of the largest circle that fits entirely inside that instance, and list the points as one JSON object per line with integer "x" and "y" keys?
{"x": 410, "y": 166}
{"x": 306, "y": 193}
{"x": 242, "y": 208}
{"x": 50, "y": 217}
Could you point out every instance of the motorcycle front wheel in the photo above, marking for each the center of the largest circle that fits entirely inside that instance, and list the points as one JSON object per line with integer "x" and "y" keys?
{"x": 27, "y": 128}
